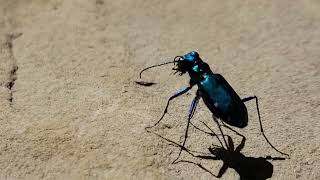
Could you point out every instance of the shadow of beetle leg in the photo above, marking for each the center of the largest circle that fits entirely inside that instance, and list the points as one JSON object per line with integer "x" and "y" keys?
{"x": 199, "y": 165}
{"x": 213, "y": 133}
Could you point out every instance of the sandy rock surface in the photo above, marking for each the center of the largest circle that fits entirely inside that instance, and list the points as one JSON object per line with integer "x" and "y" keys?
{"x": 70, "y": 108}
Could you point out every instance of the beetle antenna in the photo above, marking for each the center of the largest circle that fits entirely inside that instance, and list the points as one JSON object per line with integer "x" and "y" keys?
{"x": 155, "y": 66}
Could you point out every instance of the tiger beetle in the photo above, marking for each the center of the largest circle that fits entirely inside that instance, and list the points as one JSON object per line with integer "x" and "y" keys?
{"x": 217, "y": 94}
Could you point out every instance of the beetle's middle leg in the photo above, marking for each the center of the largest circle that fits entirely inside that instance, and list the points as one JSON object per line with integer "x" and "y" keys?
{"x": 261, "y": 128}
{"x": 224, "y": 139}
{"x": 192, "y": 109}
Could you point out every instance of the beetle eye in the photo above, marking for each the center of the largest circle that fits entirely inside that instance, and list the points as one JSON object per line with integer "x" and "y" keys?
{"x": 195, "y": 54}
{"x": 177, "y": 59}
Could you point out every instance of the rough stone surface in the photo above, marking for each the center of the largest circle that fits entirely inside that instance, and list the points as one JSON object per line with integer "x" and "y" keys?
{"x": 69, "y": 107}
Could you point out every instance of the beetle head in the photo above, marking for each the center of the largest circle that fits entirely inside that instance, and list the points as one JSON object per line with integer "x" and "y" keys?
{"x": 182, "y": 63}
{"x": 186, "y": 62}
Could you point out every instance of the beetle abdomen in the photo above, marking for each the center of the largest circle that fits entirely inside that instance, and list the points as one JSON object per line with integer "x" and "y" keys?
{"x": 223, "y": 101}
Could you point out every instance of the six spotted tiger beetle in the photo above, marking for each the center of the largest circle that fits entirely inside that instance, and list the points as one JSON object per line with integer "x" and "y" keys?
{"x": 217, "y": 94}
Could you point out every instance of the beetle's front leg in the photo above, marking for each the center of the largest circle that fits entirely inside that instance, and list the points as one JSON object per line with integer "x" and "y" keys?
{"x": 177, "y": 94}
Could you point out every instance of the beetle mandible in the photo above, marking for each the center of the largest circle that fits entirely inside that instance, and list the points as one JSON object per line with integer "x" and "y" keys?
{"x": 220, "y": 98}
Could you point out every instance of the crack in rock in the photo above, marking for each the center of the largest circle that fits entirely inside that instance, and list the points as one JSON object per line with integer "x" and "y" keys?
{"x": 14, "y": 67}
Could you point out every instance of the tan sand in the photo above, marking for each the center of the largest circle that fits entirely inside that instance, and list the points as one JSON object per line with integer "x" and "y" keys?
{"x": 70, "y": 108}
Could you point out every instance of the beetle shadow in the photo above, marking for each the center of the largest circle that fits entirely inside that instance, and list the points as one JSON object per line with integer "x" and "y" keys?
{"x": 145, "y": 83}
{"x": 249, "y": 168}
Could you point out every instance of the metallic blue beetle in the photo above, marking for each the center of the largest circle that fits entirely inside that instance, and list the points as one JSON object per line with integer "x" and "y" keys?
{"x": 217, "y": 94}
{"x": 215, "y": 91}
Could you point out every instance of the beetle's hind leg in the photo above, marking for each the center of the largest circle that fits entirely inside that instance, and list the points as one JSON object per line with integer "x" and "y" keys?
{"x": 261, "y": 128}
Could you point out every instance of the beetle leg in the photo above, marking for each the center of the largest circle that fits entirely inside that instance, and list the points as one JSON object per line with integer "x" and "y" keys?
{"x": 261, "y": 128}
{"x": 192, "y": 109}
{"x": 177, "y": 94}
{"x": 194, "y": 104}
{"x": 216, "y": 120}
